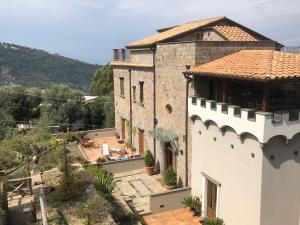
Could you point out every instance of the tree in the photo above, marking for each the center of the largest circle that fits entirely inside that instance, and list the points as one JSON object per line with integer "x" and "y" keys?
{"x": 102, "y": 82}
{"x": 63, "y": 106}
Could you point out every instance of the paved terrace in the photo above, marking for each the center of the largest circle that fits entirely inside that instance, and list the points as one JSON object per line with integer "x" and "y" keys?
{"x": 135, "y": 187}
{"x": 97, "y": 139}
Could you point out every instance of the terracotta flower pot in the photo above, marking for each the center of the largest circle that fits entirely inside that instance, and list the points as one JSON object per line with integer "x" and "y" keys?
{"x": 149, "y": 170}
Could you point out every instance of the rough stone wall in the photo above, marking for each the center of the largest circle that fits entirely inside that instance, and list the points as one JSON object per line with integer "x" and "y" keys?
{"x": 141, "y": 56}
{"x": 142, "y": 114}
{"x": 207, "y": 51}
{"x": 171, "y": 89}
{"x": 122, "y": 104}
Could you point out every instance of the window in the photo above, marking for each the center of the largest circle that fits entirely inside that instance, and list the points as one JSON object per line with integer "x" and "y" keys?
{"x": 134, "y": 93}
{"x": 141, "y": 92}
{"x": 122, "y": 87}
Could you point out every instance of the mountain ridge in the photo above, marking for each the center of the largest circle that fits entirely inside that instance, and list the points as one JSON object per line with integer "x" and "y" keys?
{"x": 32, "y": 67}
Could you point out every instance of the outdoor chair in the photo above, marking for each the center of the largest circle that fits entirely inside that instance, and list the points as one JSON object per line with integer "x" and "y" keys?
{"x": 105, "y": 150}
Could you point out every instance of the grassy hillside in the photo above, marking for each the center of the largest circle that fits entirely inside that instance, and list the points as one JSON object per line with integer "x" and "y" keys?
{"x": 37, "y": 68}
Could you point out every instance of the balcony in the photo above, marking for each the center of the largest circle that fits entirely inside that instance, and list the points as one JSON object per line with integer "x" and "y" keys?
{"x": 121, "y": 54}
{"x": 263, "y": 125}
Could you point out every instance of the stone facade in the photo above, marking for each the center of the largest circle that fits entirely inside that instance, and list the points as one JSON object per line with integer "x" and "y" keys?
{"x": 171, "y": 59}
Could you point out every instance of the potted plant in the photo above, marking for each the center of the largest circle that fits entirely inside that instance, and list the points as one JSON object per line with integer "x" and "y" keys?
{"x": 213, "y": 221}
{"x": 194, "y": 204}
{"x": 149, "y": 163}
{"x": 170, "y": 178}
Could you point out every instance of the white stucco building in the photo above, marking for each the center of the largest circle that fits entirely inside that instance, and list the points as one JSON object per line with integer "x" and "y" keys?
{"x": 245, "y": 132}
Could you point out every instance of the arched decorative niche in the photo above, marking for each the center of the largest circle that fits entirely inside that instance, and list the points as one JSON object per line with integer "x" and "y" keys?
{"x": 195, "y": 117}
{"x": 277, "y": 138}
{"x": 246, "y": 135}
{"x": 208, "y": 123}
{"x": 226, "y": 128}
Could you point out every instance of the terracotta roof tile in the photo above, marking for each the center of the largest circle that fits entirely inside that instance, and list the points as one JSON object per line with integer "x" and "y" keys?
{"x": 234, "y": 33}
{"x": 253, "y": 64}
{"x": 173, "y": 32}
{"x": 130, "y": 64}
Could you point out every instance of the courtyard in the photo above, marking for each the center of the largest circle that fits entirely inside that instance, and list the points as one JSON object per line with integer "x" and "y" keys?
{"x": 136, "y": 186}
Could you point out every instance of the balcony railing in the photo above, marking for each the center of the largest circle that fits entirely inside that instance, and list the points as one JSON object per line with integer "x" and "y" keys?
{"x": 263, "y": 125}
{"x": 121, "y": 54}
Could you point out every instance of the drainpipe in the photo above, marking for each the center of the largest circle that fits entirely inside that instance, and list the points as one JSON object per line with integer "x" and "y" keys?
{"x": 188, "y": 80}
{"x": 154, "y": 101}
{"x": 130, "y": 112}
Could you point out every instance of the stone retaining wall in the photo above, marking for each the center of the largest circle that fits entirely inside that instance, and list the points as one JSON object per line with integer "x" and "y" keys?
{"x": 122, "y": 166}
{"x": 168, "y": 200}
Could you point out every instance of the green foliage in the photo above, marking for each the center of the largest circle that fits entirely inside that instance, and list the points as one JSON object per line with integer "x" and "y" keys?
{"x": 21, "y": 107}
{"x": 102, "y": 81}
{"x": 96, "y": 210}
{"x": 67, "y": 188}
{"x": 32, "y": 67}
{"x": 213, "y": 221}
{"x": 8, "y": 159}
{"x": 66, "y": 111}
{"x": 101, "y": 160}
{"x": 104, "y": 181}
{"x": 70, "y": 136}
{"x": 149, "y": 159}
{"x": 193, "y": 203}
{"x": 170, "y": 177}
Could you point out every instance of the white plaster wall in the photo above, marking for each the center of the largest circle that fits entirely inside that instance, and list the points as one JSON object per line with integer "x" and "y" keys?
{"x": 281, "y": 183}
{"x": 234, "y": 168}
{"x": 264, "y": 128}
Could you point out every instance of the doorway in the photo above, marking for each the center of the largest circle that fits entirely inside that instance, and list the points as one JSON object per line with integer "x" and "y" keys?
{"x": 123, "y": 129}
{"x": 169, "y": 155}
{"x": 141, "y": 142}
{"x": 211, "y": 199}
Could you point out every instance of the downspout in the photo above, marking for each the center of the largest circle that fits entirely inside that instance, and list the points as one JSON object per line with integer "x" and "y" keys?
{"x": 188, "y": 80}
{"x": 154, "y": 101}
{"x": 130, "y": 112}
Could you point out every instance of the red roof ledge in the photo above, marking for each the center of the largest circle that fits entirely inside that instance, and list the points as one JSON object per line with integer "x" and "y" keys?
{"x": 252, "y": 64}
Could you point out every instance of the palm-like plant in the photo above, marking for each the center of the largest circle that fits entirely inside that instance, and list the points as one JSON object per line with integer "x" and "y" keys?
{"x": 193, "y": 203}
{"x": 213, "y": 221}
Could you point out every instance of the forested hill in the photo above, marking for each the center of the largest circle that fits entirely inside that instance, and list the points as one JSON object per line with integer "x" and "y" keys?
{"x": 38, "y": 68}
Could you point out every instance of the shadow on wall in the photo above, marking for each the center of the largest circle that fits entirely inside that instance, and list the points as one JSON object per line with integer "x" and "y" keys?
{"x": 279, "y": 150}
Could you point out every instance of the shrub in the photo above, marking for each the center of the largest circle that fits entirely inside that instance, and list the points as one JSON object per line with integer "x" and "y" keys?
{"x": 149, "y": 159}
{"x": 193, "y": 203}
{"x": 101, "y": 160}
{"x": 213, "y": 221}
{"x": 104, "y": 181}
{"x": 170, "y": 177}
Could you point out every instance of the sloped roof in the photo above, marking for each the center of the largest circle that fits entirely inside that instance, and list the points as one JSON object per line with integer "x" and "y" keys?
{"x": 173, "y": 32}
{"x": 253, "y": 64}
{"x": 234, "y": 33}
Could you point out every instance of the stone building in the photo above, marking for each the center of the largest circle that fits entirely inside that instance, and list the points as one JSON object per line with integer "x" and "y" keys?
{"x": 245, "y": 129}
{"x": 151, "y": 91}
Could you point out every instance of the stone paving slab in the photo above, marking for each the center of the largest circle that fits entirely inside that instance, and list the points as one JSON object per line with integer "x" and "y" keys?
{"x": 135, "y": 187}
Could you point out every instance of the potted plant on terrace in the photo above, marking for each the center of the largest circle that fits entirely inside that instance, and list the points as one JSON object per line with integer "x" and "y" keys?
{"x": 170, "y": 178}
{"x": 213, "y": 221}
{"x": 194, "y": 204}
{"x": 149, "y": 163}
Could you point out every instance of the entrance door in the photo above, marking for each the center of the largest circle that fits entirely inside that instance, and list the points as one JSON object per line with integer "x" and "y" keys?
{"x": 141, "y": 142}
{"x": 211, "y": 199}
{"x": 169, "y": 155}
{"x": 123, "y": 130}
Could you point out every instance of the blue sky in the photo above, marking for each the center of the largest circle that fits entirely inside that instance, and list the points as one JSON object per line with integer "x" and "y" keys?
{"x": 89, "y": 29}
